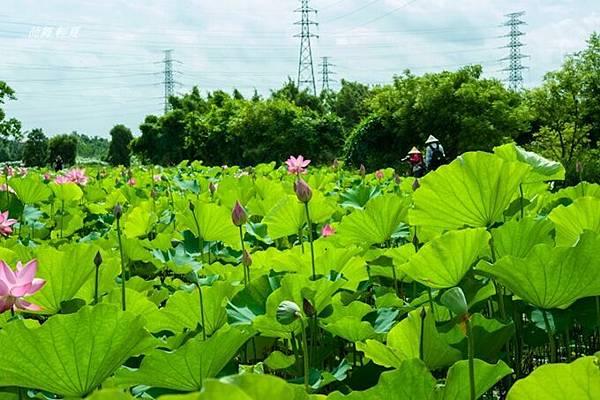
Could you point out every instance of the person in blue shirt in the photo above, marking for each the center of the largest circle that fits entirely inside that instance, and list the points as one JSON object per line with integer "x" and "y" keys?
{"x": 434, "y": 154}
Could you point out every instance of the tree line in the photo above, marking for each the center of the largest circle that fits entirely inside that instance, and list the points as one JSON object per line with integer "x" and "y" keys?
{"x": 377, "y": 125}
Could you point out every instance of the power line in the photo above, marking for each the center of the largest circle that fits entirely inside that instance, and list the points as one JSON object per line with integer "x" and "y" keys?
{"x": 306, "y": 70}
{"x": 515, "y": 66}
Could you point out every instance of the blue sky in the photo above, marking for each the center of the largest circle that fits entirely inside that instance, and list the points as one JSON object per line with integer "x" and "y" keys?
{"x": 86, "y": 65}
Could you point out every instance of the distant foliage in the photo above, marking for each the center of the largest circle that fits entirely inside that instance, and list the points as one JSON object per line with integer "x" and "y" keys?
{"x": 65, "y": 146}
{"x": 119, "y": 152}
{"x": 35, "y": 150}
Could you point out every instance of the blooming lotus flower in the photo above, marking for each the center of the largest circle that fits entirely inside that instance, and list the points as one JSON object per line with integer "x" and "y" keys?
{"x": 303, "y": 191}
{"x": 157, "y": 178}
{"x": 327, "y": 230}
{"x": 379, "y": 174}
{"x": 15, "y": 285}
{"x": 61, "y": 180}
{"x": 132, "y": 182}
{"x": 77, "y": 176}
{"x": 297, "y": 165}
{"x": 23, "y": 171}
{"x": 6, "y": 223}
{"x": 4, "y": 188}
{"x": 238, "y": 215}
{"x": 9, "y": 171}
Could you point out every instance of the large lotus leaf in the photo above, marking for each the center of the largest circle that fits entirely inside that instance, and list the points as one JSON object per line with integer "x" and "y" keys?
{"x": 552, "y": 277}
{"x": 185, "y": 368}
{"x": 579, "y": 380}
{"x": 233, "y": 189}
{"x": 376, "y": 223}
{"x": 473, "y": 190}
{"x": 30, "y": 190}
{"x": 444, "y": 261}
{"x": 139, "y": 221}
{"x": 518, "y": 237}
{"x": 183, "y": 310}
{"x": 584, "y": 189}
{"x": 411, "y": 381}
{"x": 288, "y": 216}
{"x": 73, "y": 354}
{"x": 69, "y": 224}
{"x": 571, "y": 221}
{"x": 403, "y": 344}
{"x": 359, "y": 196}
{"x": 457, "y": 383}
{"x": 247, "y": 387}
{"x": 214, "y": 222}
{"x": 490, "y": 337}
{"x": 394, "y": 257}
{"x": 109, "y": 394}
{"x": 67, "y": 192}
{"x": 65, "y": 272}
{"x": 268, "y": 193}
{"x": 542, "y": 169}
{"x": 351, "y": 328}
{"x": 135, "y": 302}
{"x": 251, "y": 301}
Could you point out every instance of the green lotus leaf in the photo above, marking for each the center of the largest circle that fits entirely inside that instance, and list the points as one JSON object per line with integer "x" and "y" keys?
{"x": 517, "y": 237}
{"x": 214, "y": 222}
{"x": 235, "y": 189}
{"x": 473, "y": 190}
{"x": 268, "y": 193}
{"x": 246, "y": 387}
{"x": 359, "y": 196}
{"x": 486, "y": 377}
{"x": 65, "y": 272}
{"x": 185, "y": 368}
{"x": 542, "y": 169}
{"x": 376, "y": 223}
{"x": 71, "y": 355}
{"x": 139, "y": 221}
{"x": 572, "y": 220}
{"x": 577, "y": 380}
{"x": 288, "y": 216}
{"x": 444, "y": 261}
{"x": 30, "y": 190}
{"x": 552, "y": 277}
{"x": 183, "y": 310}
{"x": 110, "y": 394}
{"x": 135, "y": 302}
{"x": 277, "y": 360}
{"x": 351, "y": 329}
{"x": 67, "y": 191}
{"x": 403, "y": 344}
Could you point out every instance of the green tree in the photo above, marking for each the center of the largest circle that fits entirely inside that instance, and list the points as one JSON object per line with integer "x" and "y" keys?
{"x": 64, "y": 146}
{"x": 119, "y": 152}
{"x": 35, "y": 150}
{"x": 351, "y": 103}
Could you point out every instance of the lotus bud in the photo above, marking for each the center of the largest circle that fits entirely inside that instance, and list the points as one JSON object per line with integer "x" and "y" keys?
{"x": 191, "y": 206}
{"x": 239, "y": 215}
{"x": 362, "y": 171}
{"x": 303, "y": 191}
{"x": 416, "y": 185}
{"x": 397, "y": 179}
{"x": 455, "y": 300}
{"x": 212, "y": 188}
{"x": 98, "y": 259}
{"x": 379, "y": 175}
{"x": 118, "y": 211}
{"x": 309, "y": 309}
{"x": 246, "y": 259}
{"x": 287, "y": 312}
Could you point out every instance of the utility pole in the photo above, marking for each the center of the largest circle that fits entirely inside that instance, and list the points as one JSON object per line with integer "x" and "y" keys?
{"x": 306, "y": 71}
{"x": 326, "y": 71}
{"x": 169, "y": 81}
{"x": 515, "y": 66}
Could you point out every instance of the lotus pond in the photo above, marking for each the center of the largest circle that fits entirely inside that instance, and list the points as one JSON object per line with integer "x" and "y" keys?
{"x": 481, "y": 280}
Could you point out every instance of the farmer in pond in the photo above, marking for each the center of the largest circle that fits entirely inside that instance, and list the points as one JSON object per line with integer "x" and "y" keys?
{"x": 415, "y": 159}
{"x": 434, "y": 155}
{"x": 58, "y": 163}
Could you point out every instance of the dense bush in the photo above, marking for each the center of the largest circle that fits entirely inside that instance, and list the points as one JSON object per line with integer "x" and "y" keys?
{"x": 35, "y": 150}
{"x": 119, "y": 152}
{"x": 64, "y": 146}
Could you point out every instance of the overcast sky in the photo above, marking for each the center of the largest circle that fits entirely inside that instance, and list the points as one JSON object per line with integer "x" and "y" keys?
{"x": 87, "y": 65}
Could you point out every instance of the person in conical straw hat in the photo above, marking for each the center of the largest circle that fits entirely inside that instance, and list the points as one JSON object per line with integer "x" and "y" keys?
{"x": 415, "y": 158}
{"x": 434, "y": 154}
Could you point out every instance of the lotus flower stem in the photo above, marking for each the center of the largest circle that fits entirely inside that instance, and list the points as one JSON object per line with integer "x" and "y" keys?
{"x": 201, "y": 309}
{"x": 310, "y": 239}
{"x": 6, "y": 183}
{"x": 62, "y": 217}
{"x": 471, "y": 355}
{"x": 551, "y": 339}
{"x": 305, "y": 354}
{"x": 431, "y": 304}
{"x": 422, "y": 334}
{"x": 123, "y": 267}
{"x": 521, "y": 199}
{"x": 246, "y": 270}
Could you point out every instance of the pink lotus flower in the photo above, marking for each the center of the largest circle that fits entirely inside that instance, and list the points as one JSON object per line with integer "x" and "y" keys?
{"x": 327, "y": 230}
{"x": 379, "y": 174}
{"x": 132, "y": 182}
{"x": 15, "y": 285}
{"x": 157, "y": 178}
{"x": 239, "y": 216}
{"x": 4, "y": 188}
{"x": 297, "y": 165}
{"x": 303, "y": 191}
{"x": 9, "y": 171}
{"x": 47, "y": 177}
{"x": 23, "y": 171}
{"x": 6, "y": 223}
{"x": 61, "y": 180}
{"x": 77, "y": 176}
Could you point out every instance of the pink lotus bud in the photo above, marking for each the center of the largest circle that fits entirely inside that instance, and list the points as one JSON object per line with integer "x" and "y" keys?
{"x": 239, "y": 215}
{"x": 303, "y": 191}
{"x": 416, "y": 184}
{"x": 327, "y": 230}
{"x": 98, "y": 259}
{"x": 132, "y": 182}
{"x": 47, "y": 177}
{"x": 362, "y": 171}
{"x": 246, "y": 259}
{"x": 379, "y": 175}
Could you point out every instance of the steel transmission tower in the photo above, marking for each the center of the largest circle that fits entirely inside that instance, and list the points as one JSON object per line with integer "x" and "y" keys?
{"x": 306, "y": 71}
{"x": 515, "y": 66}
{"x": 326, "y": 71}
{"x": 169, "y": 81}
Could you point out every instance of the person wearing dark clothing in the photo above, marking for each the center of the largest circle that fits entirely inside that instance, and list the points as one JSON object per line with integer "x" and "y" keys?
{"x": 434, "y": 155}
{"x": 58, "y": 163}
{"x": 415, "y": 159}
